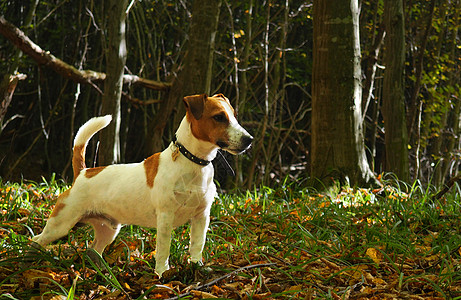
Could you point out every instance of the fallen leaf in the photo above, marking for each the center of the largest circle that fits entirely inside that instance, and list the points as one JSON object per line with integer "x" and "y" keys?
{"x": 261, "y": 296}
{"x": 375, "y": 255}
{"x": 202, "y": 294}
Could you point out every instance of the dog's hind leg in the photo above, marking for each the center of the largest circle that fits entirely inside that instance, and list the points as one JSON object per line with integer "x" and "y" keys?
{"x": 105, "y": 232}
{"x": 55, "y": 228}
{"x": 61, "y": 220}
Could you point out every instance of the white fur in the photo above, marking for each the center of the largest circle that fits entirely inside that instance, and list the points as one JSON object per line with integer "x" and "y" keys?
{"x": 85, "y": 132}
{"x": 182, "y": 191}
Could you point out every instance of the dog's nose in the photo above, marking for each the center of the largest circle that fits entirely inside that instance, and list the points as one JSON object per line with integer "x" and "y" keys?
{"x": 247, "y": 140}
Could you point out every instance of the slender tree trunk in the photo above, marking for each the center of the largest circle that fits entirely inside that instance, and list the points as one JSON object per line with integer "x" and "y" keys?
{"x": 10, "y": 79}
{"x": 115, "y": 64}
{"x": 415, "y": 106}
{"x": 7, "y": 86}
{"x": 393, "y": 92}
{"x": 337, "y": 136}
{"x": 370, "y": 70}
{"x": 452, "y": 118}
{"x": 195, "y": 75}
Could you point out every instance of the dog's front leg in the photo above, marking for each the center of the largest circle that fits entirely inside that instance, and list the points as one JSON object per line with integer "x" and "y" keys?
{"x": 199, "y": 227}
{"x": 164, "y": 228}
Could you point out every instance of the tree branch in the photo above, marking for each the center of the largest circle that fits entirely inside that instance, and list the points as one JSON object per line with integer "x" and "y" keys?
{"x": 447, "y": 186}
{"x": 42, "y": 57}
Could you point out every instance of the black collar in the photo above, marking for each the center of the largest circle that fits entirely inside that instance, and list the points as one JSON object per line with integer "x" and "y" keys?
{"x": 189, "y": 155}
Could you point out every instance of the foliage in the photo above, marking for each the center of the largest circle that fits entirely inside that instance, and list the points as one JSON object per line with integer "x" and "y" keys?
{"x": 263, "y": 63}
{"x": 288, "y": 242}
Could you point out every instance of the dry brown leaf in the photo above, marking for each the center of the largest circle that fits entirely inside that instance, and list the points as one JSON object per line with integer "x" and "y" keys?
{"x": 294, "y": 288}
{"x": 330, "y": 264}
{"x": 234, "y": 286}
{"x": 261, "y": 296}
{"x": 202, "y": 295}
{"x": 216, "y": 290}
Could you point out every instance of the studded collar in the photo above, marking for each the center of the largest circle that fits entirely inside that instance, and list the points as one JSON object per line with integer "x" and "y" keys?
{"x": 188, "y": 154}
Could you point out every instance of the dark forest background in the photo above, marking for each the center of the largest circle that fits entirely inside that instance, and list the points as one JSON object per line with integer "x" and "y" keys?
{"x": 262, "y": 59}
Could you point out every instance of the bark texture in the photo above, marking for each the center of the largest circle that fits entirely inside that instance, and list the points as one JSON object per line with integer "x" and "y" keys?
{"x": 337, "y": 136}
{"x": 393, "y": 91}
{"x": 115, "y": 64}
{"x": 194, "y": 76}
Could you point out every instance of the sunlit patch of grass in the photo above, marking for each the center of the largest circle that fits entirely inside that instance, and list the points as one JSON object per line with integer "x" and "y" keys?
{"x": 398, "y": 232}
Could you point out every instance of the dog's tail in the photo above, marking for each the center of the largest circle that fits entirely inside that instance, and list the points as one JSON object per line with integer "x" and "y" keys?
{"x": 82, "y": 137}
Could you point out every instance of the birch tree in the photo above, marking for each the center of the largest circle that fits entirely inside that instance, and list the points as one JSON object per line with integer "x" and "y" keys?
{"x": 115, "y": 64}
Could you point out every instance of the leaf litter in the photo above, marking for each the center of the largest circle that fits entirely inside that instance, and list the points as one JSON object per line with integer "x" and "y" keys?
{"x": 285, "y": 243}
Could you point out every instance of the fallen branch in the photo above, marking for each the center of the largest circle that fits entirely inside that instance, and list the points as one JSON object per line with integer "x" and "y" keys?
{"x": 447, "y": 187}
{"x": 213, "y": 282}
{"x": 42, "y": 57}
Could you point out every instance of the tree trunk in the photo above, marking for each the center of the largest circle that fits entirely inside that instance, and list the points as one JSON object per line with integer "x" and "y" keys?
{"x": 195, "y": 75}
{"x": 393, "y": 91}
{"x": 337, "y": 136}
{"x": 7, "y": 87}
{"x": 115, "y": 64}
{"x": 451, "y": 118}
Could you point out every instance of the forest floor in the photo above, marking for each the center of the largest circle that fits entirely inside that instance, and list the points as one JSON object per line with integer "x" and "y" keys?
{"x": 289, "y": 242}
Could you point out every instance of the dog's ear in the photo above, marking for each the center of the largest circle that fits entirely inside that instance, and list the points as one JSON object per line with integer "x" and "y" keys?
{"x": 195, "y": 105}
{"x": 220, "y": 96}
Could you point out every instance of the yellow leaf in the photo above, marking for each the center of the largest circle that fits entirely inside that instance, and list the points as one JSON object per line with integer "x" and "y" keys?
{"x": 431, "y": 257}
{"x": 294, "y": 288}
{"x": 374, "y": 255}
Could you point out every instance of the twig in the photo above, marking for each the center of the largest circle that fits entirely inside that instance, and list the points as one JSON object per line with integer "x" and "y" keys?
{"x": 213, "y": 282}
{"x": 447, "y": 187}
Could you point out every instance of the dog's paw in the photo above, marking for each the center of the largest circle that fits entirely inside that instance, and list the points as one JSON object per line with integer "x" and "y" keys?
{"x": 34, "y": 246}
{"x": 161, "y": 270}
{"x": 36, "y": 239}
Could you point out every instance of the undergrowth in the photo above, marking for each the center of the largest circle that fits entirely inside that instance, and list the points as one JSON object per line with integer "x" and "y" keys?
{"x": 289, "y": 242}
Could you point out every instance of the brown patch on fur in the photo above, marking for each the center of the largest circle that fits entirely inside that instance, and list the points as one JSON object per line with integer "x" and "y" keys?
{"x": 151, "y": 168}
{"x": 93, "y": 171}
{"x": 59, "y": 205}
{"x": 206, "y": 128}
{"x": 78, "y": 160}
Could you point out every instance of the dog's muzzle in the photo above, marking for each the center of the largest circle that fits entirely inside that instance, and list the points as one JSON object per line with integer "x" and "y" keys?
{"x": 246, "y": 142}
{"x": 243, "y": 144}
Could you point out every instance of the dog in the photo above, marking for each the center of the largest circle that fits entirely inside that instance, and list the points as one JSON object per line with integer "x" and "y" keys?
{"x": 164, "y": 191}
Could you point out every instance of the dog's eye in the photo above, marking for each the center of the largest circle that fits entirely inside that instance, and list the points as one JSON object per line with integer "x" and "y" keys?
{"x": 220, "y": 118}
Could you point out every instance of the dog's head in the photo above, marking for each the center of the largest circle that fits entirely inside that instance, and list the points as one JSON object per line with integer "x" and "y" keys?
{"x": 213, "y": 119}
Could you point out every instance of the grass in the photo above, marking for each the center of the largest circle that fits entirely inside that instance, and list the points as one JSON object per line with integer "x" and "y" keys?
{"x": 342, "y": 244}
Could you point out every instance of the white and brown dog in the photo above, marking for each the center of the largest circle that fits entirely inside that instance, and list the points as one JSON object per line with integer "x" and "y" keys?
{"x": 166, "y": 190}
